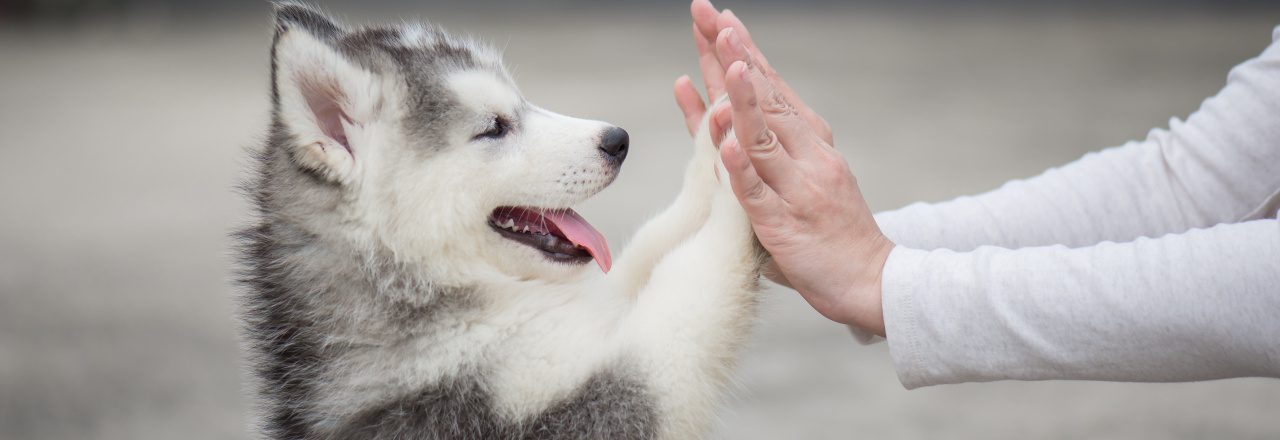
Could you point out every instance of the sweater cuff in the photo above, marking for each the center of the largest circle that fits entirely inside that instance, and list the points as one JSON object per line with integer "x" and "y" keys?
{"x": 900, "y": 283}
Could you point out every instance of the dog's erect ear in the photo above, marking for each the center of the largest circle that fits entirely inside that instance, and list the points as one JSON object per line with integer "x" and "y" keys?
{"x": 318, "y": 94}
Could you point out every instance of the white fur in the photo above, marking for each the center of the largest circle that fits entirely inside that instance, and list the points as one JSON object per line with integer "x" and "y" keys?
{"x": 677, "y": 304}
{"x": 312, "y": 65}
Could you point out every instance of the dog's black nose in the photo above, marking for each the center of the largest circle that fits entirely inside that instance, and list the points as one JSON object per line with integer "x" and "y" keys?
{"x": 614, "y": 145}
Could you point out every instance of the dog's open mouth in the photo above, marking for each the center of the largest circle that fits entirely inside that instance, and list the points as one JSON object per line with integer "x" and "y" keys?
{"x": 560, "y": 233}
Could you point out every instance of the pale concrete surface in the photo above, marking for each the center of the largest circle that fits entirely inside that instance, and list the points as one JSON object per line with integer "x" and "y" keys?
{"x": 121, "y": 141}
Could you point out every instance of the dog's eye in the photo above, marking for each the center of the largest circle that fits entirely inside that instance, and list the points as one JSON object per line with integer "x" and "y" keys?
{"x": 497, "y": 129}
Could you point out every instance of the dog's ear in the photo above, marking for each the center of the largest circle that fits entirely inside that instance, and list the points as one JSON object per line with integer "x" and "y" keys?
{"x": 318, "y": 94}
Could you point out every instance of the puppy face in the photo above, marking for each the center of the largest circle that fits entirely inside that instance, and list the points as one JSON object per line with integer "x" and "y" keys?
{"x": 437, "y": 157}
{"x": 509, "y": 171}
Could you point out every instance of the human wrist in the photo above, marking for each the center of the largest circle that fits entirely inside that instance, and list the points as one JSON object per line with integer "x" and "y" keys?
{"x": 864, "y": 295}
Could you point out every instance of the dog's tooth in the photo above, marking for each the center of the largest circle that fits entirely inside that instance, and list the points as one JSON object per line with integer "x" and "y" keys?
{"x": 510, "y": 223}
{"x": 526, "y": 229}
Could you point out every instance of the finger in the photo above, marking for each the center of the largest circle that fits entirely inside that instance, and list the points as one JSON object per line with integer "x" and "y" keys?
{"x": 727, "y": 52}
{"x": 761, "y": 203}
{"x": 705, "y": 17}
{"x": 720, "y": 123}
{"x": 704, "y": 28}
{"x": 768, "y": 155}
{"x": 795, "y": 133}
{"x": 690, "y": 103}
{"x": 712, "y": 71}
{"x": 728, "y": 19}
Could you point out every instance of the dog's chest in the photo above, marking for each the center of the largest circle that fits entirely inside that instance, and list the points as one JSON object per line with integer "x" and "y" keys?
{"x": 610, "y": 405}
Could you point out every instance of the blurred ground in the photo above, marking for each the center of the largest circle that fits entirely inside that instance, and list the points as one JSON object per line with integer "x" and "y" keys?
{"x": 122, "y": 137}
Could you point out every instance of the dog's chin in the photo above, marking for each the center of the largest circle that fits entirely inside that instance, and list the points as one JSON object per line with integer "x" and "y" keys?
{"x": 530, "y": 227}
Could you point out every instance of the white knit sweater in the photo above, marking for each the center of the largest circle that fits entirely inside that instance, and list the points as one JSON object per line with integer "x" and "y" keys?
{"x": 1154, "y": 261}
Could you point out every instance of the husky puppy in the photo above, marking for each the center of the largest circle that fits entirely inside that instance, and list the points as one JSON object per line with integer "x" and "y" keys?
{"x": 415, "y": 270}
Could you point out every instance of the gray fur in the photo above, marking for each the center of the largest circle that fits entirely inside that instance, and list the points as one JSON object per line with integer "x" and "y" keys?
{"x": 381, "y": 50}
{"x": 610, "y": 405}
{"x": 311, "y": 299}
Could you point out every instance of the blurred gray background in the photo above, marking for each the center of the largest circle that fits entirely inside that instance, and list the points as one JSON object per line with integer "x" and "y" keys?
{"x": 124, "y": 125}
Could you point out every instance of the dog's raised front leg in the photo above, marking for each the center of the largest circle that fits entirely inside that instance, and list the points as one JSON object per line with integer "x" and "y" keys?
{"x": 677, "y": 222}
{"x": 696, "y": 311}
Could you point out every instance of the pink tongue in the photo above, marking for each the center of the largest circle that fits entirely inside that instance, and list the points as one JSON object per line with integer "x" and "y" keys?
{"x": 577, "y": 230}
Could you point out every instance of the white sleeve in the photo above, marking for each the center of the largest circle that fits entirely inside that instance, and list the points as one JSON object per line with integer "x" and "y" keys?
{"x": 1197, "y": 305}
{"x": 1194, "y": 306}
{"x": 1222, "y": 165}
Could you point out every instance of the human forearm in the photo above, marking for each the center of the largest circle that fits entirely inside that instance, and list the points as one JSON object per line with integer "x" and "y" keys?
{"x": 1217, "y": 167}
{"x": 1193, "y": 306}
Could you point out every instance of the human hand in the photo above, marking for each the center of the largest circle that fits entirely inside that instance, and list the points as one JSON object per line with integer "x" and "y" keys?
{"x": 707, "y": 24}
{"x": 804, "y": 203}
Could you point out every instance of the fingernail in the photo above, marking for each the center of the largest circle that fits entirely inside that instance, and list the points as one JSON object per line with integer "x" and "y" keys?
{"x": 725, "y": 34}
{"x": 734, "y": 41}
{"x": 730, "y": 142}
